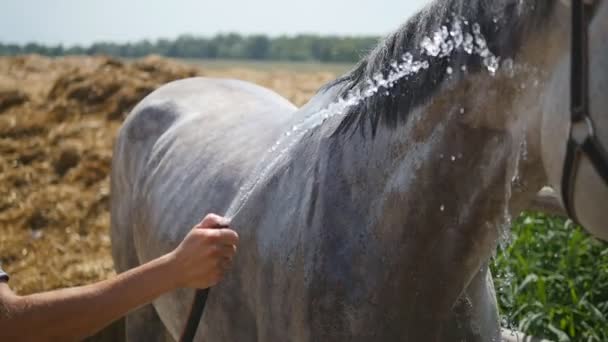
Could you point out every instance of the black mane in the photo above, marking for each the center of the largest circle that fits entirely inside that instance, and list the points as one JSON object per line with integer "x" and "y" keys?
{"x": 503, "y": 24}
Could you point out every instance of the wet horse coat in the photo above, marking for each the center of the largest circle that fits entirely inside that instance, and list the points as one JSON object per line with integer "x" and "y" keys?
{"x": 377, "y": 225}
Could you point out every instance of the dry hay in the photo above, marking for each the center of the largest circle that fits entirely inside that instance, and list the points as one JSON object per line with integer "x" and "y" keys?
{"x": 58, "y": 119}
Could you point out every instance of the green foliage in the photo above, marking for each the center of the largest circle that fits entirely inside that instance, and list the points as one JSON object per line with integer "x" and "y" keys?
{"x": 224, "y": 46}
{"x": 552, "y": 281}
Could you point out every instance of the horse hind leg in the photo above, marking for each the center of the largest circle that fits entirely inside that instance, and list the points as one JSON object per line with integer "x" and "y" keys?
{"x": 142, "y": 324}
{"x": 140, "y": 131}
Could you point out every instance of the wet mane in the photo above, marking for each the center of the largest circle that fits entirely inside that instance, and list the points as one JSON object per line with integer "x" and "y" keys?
{"x": 502, "y": 23}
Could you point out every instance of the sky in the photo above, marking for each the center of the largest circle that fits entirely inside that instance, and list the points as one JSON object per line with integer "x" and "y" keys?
{"x": 82, "y": 22}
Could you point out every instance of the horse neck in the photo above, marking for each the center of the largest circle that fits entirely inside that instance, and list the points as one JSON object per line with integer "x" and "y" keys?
{"x": 504, "y": 106}
{"x": 452, "y": 175}
{"x": 477, "y": 137}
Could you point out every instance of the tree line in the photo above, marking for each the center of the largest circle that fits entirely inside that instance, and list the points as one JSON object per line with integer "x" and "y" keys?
{"x": 222, "y": 46}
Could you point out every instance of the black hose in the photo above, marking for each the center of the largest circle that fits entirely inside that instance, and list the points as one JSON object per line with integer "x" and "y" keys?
{"x": 196, "y": 313}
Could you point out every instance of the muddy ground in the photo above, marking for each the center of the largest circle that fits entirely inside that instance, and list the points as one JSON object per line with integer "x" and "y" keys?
{"x": 58, "y": 119}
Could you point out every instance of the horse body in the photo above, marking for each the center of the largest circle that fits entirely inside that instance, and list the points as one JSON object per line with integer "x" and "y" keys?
{"x": 327, "y": 241}
{"x": 343, "y": 236}
{"x": 324, "y": 249}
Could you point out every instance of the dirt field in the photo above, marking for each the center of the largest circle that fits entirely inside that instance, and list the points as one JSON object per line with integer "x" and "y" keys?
{"x": 58, "y": 119}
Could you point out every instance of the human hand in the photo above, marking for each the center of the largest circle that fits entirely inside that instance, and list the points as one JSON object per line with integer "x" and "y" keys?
{"x": 205, "y": 255}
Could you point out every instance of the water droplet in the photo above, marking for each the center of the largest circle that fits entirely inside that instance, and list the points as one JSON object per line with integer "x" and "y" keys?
{"x": 476, "y": 29}
{"x": 449, "y": 70}
{"x": 507, "y": 65}
{"x": 447, "y": 48}
{"x": 453, "y": 158}
{"x": 445, "y": 34}
{"x": 442, "y": 208}
{"x": 468, "y": 43}
{"x": 395, "y": 66}
{"x": 430, "y": 47}
{"x": 407, "y": 58}
{"x": 491, "y": 64}
{"x": 456, "y": 33}
{"x": 462, "y": 110}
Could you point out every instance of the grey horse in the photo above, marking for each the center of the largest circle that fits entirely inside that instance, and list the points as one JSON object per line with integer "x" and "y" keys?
{"x": 376, "y": 219}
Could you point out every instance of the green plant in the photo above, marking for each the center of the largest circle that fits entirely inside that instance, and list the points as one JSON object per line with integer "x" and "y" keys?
{"x": 552, "y": 281}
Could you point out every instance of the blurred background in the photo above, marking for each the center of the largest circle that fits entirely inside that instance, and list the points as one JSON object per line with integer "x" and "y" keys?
{"x": 71, "y": 70}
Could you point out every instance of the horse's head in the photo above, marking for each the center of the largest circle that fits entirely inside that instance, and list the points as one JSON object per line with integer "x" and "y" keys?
{"x": 589, "y": 195}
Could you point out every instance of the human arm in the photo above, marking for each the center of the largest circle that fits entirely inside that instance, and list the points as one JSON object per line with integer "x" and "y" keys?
{"x": 74, "y": 313}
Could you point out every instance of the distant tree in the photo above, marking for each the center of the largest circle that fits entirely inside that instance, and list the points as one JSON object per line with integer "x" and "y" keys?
{"x": 56, "y": 50}
{"x": 74, "y": 50}
{"x": 162, "y": 46}
{"x": 258, "y": 47}
{"x": 10, "y": 49}
{"x": 225, "y": 45}
{"x": 34, "y": 48}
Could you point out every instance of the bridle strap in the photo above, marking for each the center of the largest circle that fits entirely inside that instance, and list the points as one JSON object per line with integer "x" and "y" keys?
{"x": 597, "y": 155}
{"x": 586, "y": 144}
{"x": 580, "y": 62}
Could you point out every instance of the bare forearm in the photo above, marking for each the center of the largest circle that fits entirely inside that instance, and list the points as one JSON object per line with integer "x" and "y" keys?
{"x": 72, "y": 314}
{"x": 200, "y": 261}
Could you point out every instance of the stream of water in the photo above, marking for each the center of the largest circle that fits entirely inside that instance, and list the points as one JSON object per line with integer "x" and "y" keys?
{"x": 459, "y": 35}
